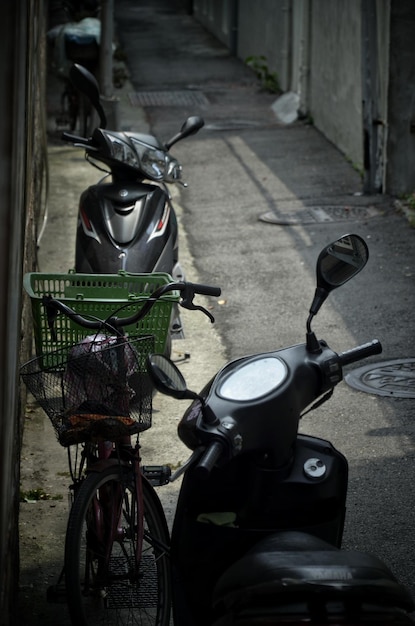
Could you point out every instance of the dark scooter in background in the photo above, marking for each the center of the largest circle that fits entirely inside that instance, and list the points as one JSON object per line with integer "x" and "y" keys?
{"x": 127, "y": 221}
{"x": 259, "y": 521}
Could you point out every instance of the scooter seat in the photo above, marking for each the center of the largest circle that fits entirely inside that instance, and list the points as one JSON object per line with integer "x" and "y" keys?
{"x": 292, "y": 567}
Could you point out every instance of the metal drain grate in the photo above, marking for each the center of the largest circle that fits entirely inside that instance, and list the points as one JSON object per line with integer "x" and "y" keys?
{"x": 168, "y": 98}
{"x": 312, "y": 215}
{"x": 395, "y": 379}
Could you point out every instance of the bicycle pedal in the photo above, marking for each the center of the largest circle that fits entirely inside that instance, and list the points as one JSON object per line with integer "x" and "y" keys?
{"x": 56, "y": 594}
{"x": 157, "y": 475}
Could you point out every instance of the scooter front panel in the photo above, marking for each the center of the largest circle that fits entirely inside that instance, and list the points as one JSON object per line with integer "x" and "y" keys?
{"x": 119, "y": 237}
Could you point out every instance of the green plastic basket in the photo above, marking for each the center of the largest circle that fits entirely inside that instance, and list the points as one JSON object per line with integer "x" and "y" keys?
{"x": 98, "y": 296}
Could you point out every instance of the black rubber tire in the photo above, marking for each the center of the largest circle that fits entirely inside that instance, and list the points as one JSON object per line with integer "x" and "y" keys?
{"x": 143, "y": 597}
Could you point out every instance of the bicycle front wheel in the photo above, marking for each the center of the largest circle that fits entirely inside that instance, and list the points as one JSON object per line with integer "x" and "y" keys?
{"x": 105, "y": 581}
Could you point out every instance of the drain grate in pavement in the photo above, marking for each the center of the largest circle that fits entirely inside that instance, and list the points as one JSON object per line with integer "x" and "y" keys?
{"x": 168, "y": 98}
{"x": 395, "y": 378}
{"x": 233, "y": 125}
{"x": 312, "y": 215}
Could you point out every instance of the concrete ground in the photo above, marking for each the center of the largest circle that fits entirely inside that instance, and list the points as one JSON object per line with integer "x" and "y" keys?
{"x": 243, "y": 165}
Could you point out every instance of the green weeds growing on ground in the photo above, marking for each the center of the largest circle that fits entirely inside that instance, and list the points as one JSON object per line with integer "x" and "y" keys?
{"x": 35, "y": 495}
{"x": 269, "y": 80}
{"x": 408, "y": 207}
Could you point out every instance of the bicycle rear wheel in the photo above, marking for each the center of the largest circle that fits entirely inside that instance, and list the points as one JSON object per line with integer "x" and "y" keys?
{"x": 104, "y": 583}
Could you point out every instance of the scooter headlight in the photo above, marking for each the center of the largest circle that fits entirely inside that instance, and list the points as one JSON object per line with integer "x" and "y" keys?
{"x": 153, "y": 164}
{"x": 121, "y": 151}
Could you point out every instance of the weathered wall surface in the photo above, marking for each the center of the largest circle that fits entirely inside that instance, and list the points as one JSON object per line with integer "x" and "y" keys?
{"x": 21, "y": 70}
{"x": 315, "y": 50}
{"x": 219, "y": 18}
{"x": 264, "y": 29}
{"x": 351, "y": 63}
{"x": 335, "y": 98}
{"x": 400, "y": 175}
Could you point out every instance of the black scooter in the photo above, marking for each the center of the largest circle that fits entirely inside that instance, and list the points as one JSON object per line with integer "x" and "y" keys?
{"x": 127, "y": 221}
{"x": 259, "y": 521}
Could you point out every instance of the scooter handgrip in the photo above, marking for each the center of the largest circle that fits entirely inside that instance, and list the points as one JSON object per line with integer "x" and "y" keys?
{"x": 206, "y": 290}
{"x": 360, "y": 352}
{"x": 211, "y": 455}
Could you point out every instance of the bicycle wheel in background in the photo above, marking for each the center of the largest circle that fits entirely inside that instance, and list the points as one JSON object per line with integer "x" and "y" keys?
{"x": 116, "y": 590}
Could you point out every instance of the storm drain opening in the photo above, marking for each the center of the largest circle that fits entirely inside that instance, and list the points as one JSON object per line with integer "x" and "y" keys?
{"x": 314, "y": 214}
{"x": 394, "y": 378}
{"x": 168, "y": 98}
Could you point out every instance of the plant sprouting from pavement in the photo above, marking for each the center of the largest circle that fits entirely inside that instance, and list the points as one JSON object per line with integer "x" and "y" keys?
{"x": 269, "y": 80}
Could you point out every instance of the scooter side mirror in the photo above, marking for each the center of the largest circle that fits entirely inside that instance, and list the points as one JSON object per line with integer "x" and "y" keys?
{"x": 337, "y": 263}
{"x": 167, "y": 378}
{"x": 341, "y": 261}
{"x": 87, "y": 84}
{"x": 190, "y": 127}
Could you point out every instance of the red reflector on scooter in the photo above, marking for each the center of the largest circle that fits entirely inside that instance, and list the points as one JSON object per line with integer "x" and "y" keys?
{"x": 85, "y": 220}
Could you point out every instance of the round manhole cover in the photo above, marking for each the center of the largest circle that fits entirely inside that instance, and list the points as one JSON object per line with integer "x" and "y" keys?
{"x": 390, "y": 378}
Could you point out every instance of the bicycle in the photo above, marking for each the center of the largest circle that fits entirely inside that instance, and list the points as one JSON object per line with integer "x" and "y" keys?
{"x": 116, "y": 563}
{"x": 75, "y": 42}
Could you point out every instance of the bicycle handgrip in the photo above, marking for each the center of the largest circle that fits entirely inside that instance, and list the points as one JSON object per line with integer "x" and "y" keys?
{"x": 360, "y": 352}
{"x": 209, "y": 458}
{"x": 205, "y": 290}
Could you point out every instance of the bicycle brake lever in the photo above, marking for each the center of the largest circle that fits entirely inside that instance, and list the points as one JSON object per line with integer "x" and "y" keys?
{"x": 187, "y": 303}
{"x": 205, "y": 311}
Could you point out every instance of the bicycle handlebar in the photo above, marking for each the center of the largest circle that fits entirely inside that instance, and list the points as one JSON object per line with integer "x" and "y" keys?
{"x": 187, "y": 289}
{"x": 204, "y": 290}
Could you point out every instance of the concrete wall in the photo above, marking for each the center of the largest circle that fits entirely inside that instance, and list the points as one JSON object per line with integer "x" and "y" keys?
{"x": 219, "y": 18}
{"x": 400, "y": 173}
{"x": 351, "y": 62}
{"x": 335, "y": 97}
{"x": 265, "y": 29}
{"x": 315, "y": 49}
{"x": 20, "y": 177}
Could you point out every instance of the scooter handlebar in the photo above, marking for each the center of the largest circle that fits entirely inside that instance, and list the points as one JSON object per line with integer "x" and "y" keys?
{"x": 360, "y": 352}
{"x": 209, "y": 458}
{"x": 76, "y": 139}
